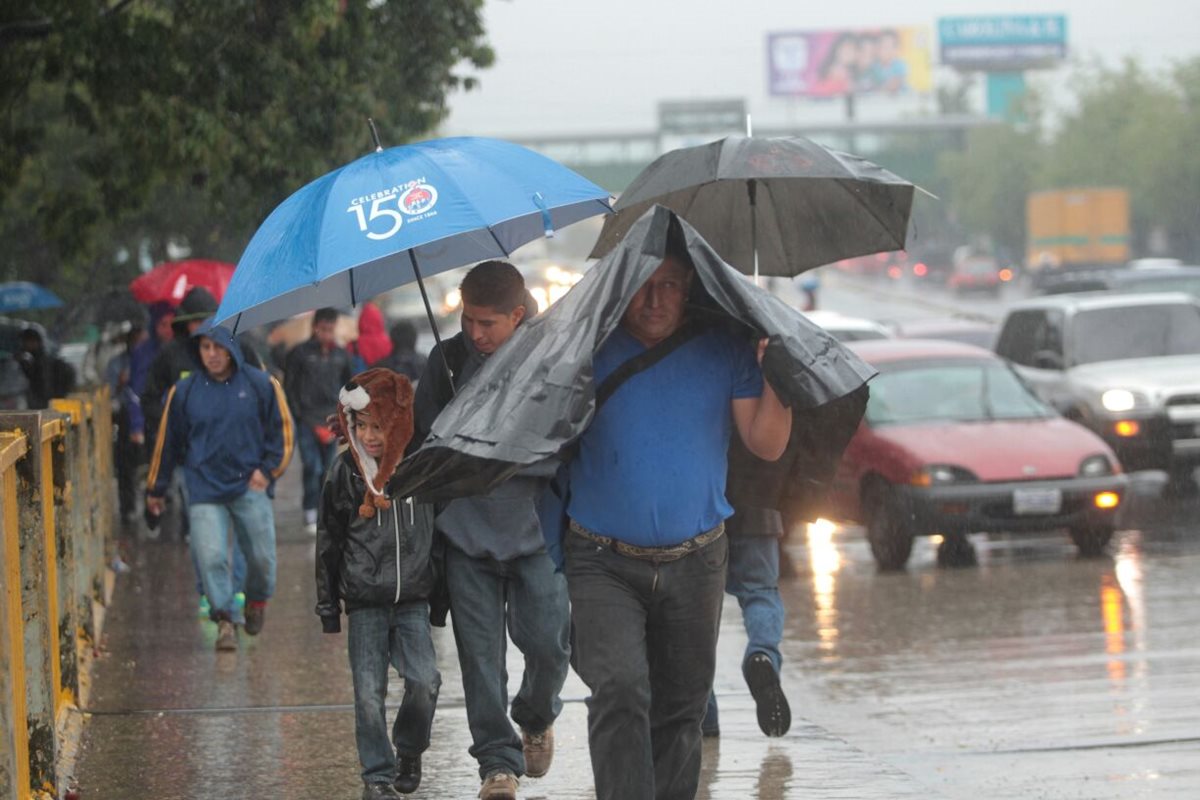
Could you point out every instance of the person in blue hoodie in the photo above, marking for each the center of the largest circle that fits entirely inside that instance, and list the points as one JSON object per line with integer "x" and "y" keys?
{"x": 229, "y": 428}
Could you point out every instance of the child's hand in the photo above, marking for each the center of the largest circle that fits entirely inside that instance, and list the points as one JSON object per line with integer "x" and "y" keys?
{"x": 334, "y": 423}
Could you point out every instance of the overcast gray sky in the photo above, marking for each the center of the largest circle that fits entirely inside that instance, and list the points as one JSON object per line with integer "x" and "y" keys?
{"x": 573, "y": 66}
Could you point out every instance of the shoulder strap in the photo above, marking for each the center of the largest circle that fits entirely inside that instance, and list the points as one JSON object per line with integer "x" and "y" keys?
{"x": 643, "y": 361}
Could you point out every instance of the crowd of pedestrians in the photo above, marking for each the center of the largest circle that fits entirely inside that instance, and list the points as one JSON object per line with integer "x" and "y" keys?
{"x": 634, "y": 602}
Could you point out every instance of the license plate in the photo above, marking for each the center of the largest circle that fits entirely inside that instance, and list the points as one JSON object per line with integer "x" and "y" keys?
{"x": 1037, "y": 501}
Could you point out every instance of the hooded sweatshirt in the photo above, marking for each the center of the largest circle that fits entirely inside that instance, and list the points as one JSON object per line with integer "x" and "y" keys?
{"x": 221, "y": 431}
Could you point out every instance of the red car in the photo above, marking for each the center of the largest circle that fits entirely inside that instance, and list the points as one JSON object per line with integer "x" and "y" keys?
{"x": 978, "y": 274}
{"x": 954, "y": 443}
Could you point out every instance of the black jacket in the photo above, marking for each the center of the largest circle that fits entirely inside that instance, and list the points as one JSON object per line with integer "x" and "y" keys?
{"x": 366, "y": 562}
{"x": 312, "y": 378}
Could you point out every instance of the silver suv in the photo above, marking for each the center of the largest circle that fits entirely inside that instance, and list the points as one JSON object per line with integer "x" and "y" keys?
{"x": 1127, "y": 366}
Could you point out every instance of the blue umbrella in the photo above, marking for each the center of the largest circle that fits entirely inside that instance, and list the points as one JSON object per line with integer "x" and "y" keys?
{"x": 23, "y": 296}
{"x": 397, "y": 214}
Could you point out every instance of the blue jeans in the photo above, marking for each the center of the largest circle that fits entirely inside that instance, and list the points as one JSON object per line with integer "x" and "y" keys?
{"x": 253, "y": 520}
{"x": 646, "y": 645}
{"x": 529, "y": 598}
{"x": 396, "y": 635}
{"x": 239, "y": 572}
{"x": 754, "y": 580}
{"x": 315, "y": 458}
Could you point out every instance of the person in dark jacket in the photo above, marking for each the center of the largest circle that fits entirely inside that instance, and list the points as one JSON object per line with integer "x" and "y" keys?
{"x": 404, "y": 357}
{"x": 498, "y": 573}
{"x": 313, "y": 373}
{"x": 372, "y": 555}
{"x": 228, "y": 427}
{"x": 49, "y": 376}
{"x": 176, "y": 358}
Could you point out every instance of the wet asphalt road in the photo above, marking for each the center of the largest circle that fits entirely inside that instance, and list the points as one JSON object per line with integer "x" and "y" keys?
{"x": 1034, "y": 675}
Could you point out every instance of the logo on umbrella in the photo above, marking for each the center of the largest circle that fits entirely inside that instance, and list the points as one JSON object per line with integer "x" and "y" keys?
{"x": 418, "y": 199}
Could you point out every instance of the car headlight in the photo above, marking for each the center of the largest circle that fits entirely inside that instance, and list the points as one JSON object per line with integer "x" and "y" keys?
{"x": 1121, "y": 400}
{"x": 1095, "y": 466}
{"x": 942, "y": 475}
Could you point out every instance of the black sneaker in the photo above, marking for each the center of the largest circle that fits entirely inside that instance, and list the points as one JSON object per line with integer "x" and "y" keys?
{"x": 408, "y": 774}
{"x": 256, "y": 613}
{"x": 774, "y": 713}
{"x": 379, "y": 791}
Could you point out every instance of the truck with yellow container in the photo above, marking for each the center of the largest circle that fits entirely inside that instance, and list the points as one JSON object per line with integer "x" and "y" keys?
{"x": 1071, "y": 229}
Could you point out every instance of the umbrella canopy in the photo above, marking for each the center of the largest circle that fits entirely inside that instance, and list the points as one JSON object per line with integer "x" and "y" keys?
{"x": 392, "y": 216}
{"x": 795, "y": 203}
{"x": 170, "y": 281}
{"x": 536, "y": 394}
{"x": 24, "y": 296}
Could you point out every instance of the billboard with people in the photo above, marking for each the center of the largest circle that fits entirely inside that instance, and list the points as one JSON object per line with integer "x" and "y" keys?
{"x": 837, "y": 63}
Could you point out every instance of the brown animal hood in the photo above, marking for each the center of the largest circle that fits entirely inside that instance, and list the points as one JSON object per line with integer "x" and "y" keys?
{"x": 388, "y": 397}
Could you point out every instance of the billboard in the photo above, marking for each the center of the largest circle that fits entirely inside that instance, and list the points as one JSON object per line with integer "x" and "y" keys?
{"x": 1003, "y": 44}
{"x": 838, "y": 63}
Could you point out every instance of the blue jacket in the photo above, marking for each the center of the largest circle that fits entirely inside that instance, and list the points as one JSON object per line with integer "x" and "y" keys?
{"x": 220, "y": 432}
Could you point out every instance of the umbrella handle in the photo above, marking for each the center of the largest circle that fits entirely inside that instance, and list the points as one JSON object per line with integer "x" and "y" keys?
{"x": 437, "y": 337}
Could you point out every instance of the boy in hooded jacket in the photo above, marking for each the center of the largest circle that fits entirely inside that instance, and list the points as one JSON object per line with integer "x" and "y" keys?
{"x": 373, "y": 563}
{"x": 227, "y": 425}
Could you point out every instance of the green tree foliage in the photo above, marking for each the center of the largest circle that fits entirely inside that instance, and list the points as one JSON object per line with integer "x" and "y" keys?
{"x": 986, "y": 183}
{"x": 1127, "y": 128}
{"x": 133, "y": 122}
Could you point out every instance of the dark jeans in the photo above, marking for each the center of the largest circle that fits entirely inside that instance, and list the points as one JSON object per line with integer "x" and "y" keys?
{"x": 526, "y": 596}
{"x": 127, "y": 455}
{"x": 645, "y": 644}
{"x": 315, "y": 459}
{"x": 396, "y": 635}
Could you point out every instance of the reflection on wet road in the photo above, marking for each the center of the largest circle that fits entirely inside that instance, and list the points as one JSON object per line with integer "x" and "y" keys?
{"x": 1037, "y": 674}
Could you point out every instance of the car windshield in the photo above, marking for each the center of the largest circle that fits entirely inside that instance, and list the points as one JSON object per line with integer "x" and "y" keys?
{"x": 980, "y": 267}
{"x": 1116, "y": 334}
{"x": 856, "y": 334}
{"x": 968, "y": 391}
{"x": 1164, "y": 283}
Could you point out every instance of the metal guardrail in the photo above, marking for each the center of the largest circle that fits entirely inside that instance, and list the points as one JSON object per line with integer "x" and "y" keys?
{"x": 56, "y": 533}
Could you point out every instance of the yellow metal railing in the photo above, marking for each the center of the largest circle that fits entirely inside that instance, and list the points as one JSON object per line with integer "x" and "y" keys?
{"x": 57, "y": 532}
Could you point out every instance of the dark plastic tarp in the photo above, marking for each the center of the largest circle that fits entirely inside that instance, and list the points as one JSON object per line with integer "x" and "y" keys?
{"x": 536, "y": 394}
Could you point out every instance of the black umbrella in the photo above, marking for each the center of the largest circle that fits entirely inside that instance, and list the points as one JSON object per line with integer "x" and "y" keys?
{"x": 789, "y": 201}
{"x": 536, "y": 395}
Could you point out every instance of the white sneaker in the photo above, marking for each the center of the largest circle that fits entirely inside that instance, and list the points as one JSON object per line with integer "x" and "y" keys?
{"x": 310, "y": 521}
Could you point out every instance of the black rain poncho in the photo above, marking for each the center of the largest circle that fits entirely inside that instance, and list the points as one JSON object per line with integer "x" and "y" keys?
{"x": 536, "y": 395}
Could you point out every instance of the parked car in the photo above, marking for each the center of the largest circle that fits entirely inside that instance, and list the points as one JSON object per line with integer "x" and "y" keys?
{"x": 849, "y": 329}
{"x": 950, "y": 329}
{"x": 953, "y": 443}
{"x": 1137, "y": 280}
{"x": 1125, "y": 365}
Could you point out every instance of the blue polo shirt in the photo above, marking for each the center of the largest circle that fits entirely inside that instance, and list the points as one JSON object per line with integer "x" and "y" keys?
{"x": 651, "y": 467}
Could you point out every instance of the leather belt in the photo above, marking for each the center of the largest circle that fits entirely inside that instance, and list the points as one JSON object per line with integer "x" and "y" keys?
{"x": 669, "y": 553}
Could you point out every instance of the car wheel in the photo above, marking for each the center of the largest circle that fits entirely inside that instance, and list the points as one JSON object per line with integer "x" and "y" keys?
{"x": 1091, "y": 539}
{"x": 956, "y": 550}
{"x": 889, "y": 529}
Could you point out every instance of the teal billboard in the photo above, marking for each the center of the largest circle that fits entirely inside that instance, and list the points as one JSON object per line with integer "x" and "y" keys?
{"x": 1003, "y": 43}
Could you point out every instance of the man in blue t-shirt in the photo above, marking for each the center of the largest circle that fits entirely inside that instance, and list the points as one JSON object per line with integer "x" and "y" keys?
{"x": 646, "y": 554}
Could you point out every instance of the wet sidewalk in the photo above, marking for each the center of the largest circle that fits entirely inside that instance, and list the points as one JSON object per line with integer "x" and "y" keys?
{"x": 171, "y": 718}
